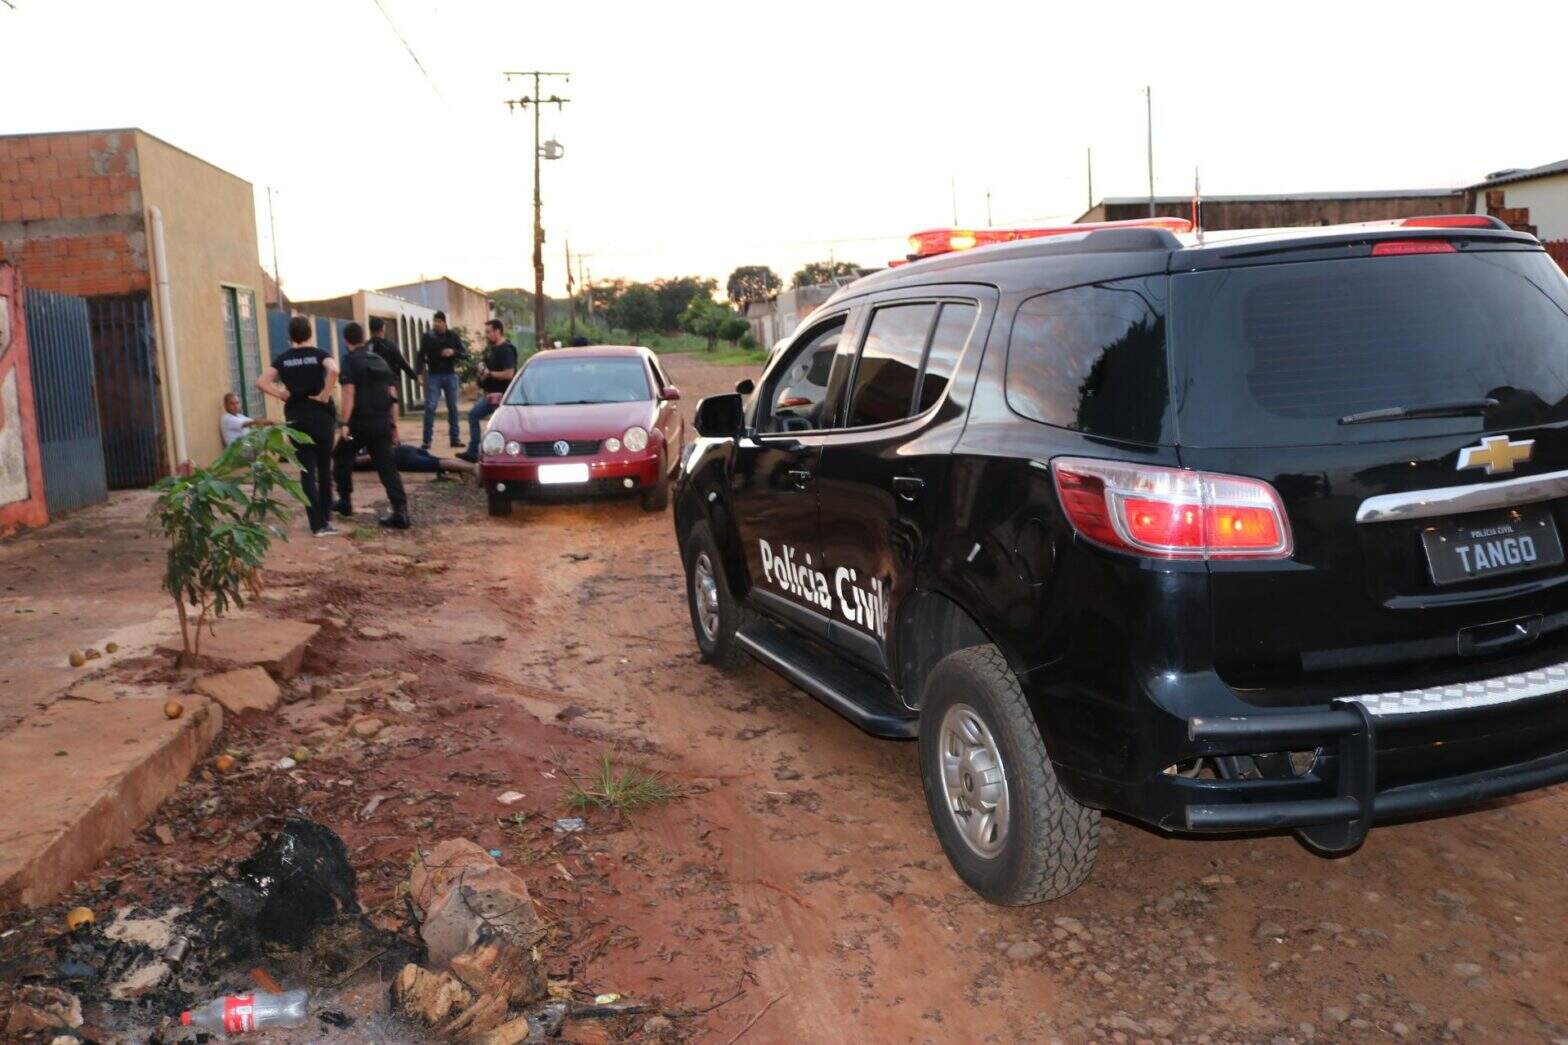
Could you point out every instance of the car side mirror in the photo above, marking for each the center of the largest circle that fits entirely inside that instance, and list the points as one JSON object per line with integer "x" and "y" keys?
{"x": 745, "y": 386}
{"x": 720, "y": 416}
{"x": 670, "y": 393}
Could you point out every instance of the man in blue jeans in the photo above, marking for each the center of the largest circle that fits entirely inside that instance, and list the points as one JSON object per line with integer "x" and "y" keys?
{"x": 495, "y": 374}
{"x": 439, "y": 351}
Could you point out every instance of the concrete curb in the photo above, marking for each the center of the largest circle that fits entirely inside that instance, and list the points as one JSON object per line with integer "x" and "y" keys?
{"x": 81, "y": 777}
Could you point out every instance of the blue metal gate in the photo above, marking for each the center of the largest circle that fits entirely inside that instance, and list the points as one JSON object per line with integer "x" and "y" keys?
{"x": 60, "y": 349}
{"x": 128, "y": 410}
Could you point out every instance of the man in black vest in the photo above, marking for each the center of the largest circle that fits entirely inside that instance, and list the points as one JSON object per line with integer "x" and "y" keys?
{"x": 367, "y": 426}
{"x": 303, "y": 378}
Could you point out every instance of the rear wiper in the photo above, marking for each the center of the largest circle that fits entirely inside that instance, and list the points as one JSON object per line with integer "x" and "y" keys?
{"x": 1457, "y": 408}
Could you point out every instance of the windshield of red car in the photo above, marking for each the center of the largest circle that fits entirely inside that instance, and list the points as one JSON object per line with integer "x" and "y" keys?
{"x": 574, "y": 381}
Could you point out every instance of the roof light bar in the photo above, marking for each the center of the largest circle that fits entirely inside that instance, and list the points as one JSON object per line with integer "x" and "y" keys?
{"x": 932, "y": 242}
{"x": 1454, "y": 221}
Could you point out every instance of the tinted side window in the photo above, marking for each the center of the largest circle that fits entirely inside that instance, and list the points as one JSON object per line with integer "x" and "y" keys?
{"x": 1093, "y": 358}
{"x": 884, "y": 387}
{"x": 799, "y": 397}
{"x": 947, "y": 344}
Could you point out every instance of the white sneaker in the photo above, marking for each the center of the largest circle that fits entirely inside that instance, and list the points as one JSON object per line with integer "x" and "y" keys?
{"x": 326, "y": 531}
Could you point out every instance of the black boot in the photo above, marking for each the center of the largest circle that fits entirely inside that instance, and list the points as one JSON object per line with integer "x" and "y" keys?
{"x": 342, "y": 507}
{"x": 396, "y": 521}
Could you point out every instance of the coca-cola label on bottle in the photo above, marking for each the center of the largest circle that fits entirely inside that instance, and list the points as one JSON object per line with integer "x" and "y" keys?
{"x": 239, "y": 1013}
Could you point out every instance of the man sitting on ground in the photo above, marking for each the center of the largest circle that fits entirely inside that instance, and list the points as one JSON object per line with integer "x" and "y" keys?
{"x": 234, "y": 424}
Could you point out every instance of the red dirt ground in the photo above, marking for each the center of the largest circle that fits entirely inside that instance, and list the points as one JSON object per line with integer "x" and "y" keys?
{"x": 797, "y": 883}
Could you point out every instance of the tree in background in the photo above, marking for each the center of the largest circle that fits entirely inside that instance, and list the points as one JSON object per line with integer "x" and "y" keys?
{"x": 750, "y": 283}
{"x": 733, "y": 328}
{"x": 705, "y": 318}
{"x": 676, "y": 293}
{"x": 636, "y": 309}
{"x": 819, "y": 272}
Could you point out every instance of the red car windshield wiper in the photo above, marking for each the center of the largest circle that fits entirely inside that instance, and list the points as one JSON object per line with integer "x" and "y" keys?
{"x": 1457, "y": 408}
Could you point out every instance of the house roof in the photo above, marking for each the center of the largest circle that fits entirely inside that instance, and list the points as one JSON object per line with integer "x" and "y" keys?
{"x": 1288, "y": 197}
{"x": 437, "y": 279}
{"x": 1545, "y": 170}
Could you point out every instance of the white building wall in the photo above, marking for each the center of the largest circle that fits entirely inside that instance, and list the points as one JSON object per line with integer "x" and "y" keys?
{"x": 1547, "y": 199}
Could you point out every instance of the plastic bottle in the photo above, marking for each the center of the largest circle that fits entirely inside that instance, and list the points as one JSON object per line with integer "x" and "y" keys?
{"x": 242, "y": 1013}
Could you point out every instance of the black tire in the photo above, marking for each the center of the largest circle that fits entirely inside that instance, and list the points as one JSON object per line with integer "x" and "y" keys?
{"x": 1050, "y": 841}
{"x": 718, "y": 647}
{"x": 656, "y": 498}
{"x": 500, "y": 504}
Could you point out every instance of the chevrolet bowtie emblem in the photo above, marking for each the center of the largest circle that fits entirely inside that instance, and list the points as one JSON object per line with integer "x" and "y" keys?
{"x": 1497, "y": 453}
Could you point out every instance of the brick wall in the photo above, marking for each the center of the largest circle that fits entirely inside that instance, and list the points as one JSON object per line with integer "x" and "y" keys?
{"x": 71, "y": 212}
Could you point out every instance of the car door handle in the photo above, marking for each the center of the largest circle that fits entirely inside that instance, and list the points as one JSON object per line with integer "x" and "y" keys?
{"x": 908, "y": 487}
{"x": 799, "y": 477}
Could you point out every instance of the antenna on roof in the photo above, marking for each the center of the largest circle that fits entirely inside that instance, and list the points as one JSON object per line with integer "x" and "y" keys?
{"x": 1197, "y": 205}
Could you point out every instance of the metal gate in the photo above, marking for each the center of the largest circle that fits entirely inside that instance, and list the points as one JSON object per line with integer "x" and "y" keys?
{"x": 60, "y": 349}
{"x": 128, "y": 408}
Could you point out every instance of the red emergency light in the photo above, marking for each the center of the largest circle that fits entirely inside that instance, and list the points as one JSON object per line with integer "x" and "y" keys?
{"x": 932, "y": 242}
{"x": 1454, "y": 221}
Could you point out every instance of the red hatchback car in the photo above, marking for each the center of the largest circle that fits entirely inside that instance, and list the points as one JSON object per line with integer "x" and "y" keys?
{"x": 601, "y": 419}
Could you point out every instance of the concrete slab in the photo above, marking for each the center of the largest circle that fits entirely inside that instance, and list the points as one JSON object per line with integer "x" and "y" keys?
{"x": 277, "y": 645}
{"x": 244, "y": 689}
{"x": 79, "y": 778}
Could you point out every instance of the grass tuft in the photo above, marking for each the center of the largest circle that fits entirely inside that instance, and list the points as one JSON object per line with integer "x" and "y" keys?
{"x": 621, "y": 790}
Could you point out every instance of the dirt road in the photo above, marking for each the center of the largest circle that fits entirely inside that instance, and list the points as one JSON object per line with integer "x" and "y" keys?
{"x": 797, "y": 883}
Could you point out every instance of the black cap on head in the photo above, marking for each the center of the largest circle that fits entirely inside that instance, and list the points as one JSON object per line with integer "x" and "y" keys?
{"x": 377, "y": 325}
{"x": 354, "y": 334}
{"x": 299, "y": 330}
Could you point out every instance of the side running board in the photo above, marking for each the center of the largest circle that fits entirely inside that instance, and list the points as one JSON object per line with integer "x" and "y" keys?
{"x": 865, "y": 700}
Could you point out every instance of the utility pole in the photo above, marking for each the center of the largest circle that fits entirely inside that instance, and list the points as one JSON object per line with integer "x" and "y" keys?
{"x": 272, "y": 226}
{"x": 585, "y": 281}
{"x": 988, "y": 222}
{"x": 538, "y": 102}
{"x": 571, "y": 297}
{"x": 1089, "y": 159}
{"x": 952, "y": 183}
{"x": 1148, "y": 101}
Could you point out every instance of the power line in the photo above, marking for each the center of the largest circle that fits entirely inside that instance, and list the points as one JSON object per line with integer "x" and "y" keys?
{"x": 406, "y": 46}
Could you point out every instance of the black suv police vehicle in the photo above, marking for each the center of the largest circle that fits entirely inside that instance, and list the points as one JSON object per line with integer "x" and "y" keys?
{"x": 1245, "y": 532}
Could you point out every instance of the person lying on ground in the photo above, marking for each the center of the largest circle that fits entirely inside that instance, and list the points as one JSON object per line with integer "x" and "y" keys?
{"x": 413, "y": 459}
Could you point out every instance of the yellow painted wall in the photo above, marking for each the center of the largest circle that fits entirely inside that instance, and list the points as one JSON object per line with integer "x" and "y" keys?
{"x": 209, "y": 222}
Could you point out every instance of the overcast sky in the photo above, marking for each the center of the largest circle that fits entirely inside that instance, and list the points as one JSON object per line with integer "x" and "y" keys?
{"x": 704, "y": 136}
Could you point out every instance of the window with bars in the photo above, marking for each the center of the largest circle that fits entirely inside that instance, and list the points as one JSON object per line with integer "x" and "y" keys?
{"x": 242, "y": 342}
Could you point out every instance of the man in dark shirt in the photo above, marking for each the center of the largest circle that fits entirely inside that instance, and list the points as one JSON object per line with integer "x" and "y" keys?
{"x": 387, "y": 349}
{"x": 439, "y": 351}
{"x": 495, "y": 374}
{"x": 367, "y": 426}
{"x": 303, "y": 378}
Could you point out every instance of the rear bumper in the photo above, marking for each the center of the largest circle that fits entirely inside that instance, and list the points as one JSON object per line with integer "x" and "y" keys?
{"x": 1366, "y": 767}
{"x": 1336, "y": 803}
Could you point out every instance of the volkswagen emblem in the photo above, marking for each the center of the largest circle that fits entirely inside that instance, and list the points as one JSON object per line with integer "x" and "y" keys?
{"x": 562, "y": 448}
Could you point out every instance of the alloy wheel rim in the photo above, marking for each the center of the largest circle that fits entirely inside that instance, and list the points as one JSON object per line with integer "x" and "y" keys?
{"x": 705, "y": 590}
{"x": 974, "y": 780}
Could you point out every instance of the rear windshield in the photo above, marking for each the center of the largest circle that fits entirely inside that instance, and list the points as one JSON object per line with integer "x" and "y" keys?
{"x": 571, "y": 380}
{"x": 1276, "y": 355}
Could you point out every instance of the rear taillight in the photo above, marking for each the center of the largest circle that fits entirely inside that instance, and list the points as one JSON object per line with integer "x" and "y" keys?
{"x": 1171, "y": 513}
{"x": 1386, "y": 247}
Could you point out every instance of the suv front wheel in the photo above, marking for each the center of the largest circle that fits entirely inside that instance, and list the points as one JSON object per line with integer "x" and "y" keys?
{"x": 1008, "y": 828}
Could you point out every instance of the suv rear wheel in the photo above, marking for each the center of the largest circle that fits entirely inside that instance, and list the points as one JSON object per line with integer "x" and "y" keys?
{"x": 715, "y": 613}
{"x": 1008, "y": 828}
